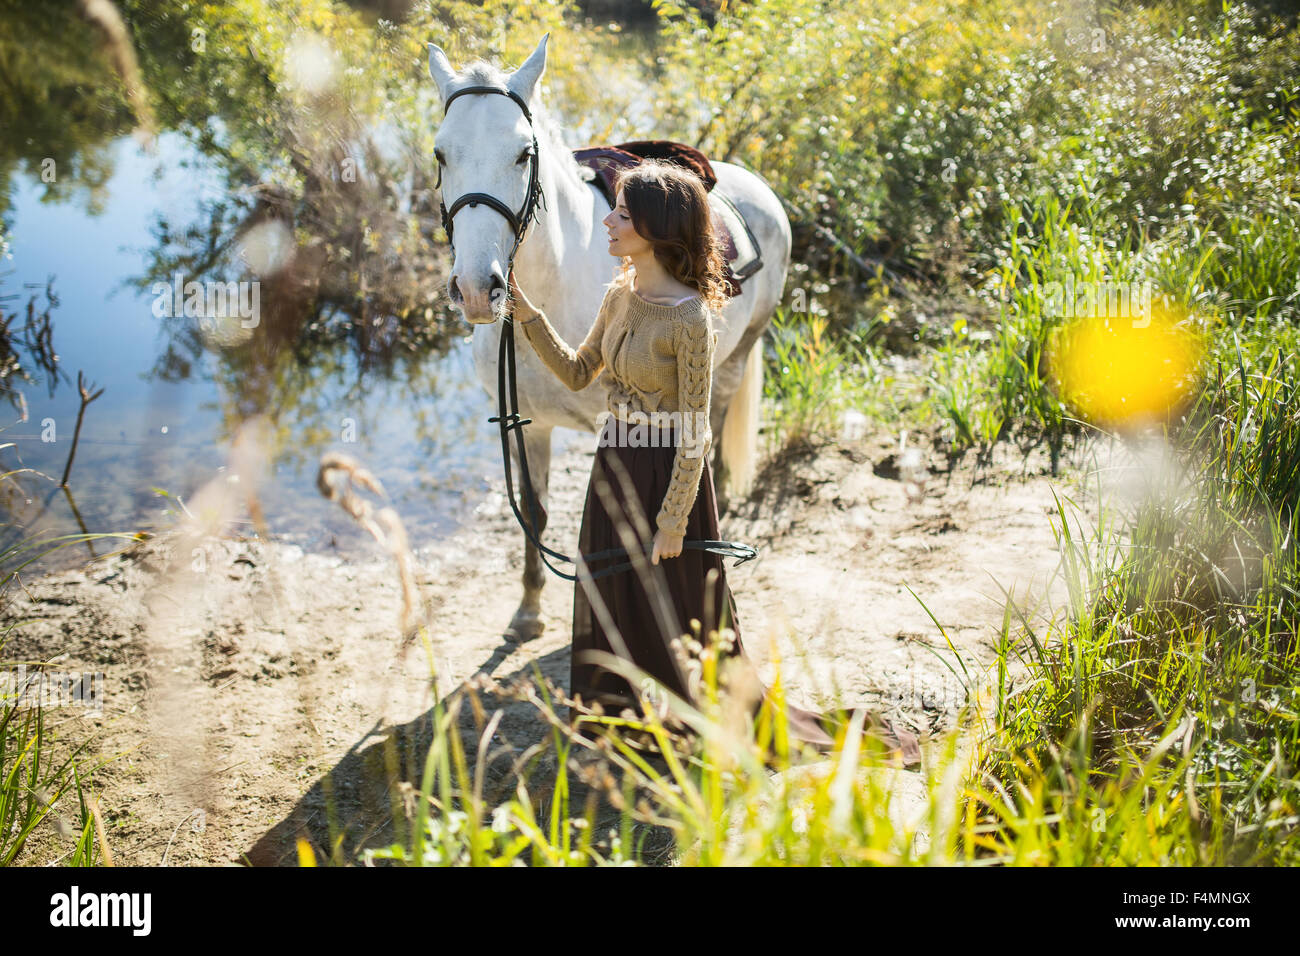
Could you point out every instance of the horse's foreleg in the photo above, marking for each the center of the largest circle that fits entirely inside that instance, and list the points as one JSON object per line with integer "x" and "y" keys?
{"x": 527, "y": 623}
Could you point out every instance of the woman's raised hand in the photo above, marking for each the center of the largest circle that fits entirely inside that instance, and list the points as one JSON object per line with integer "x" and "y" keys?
{"x": 523, "y": 308}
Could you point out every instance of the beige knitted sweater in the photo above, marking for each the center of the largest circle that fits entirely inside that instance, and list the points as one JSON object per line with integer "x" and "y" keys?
{"x": 660, "y": 359}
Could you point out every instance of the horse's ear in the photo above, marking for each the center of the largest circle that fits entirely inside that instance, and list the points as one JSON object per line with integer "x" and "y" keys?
{"x": 440, "y": 69}
{"x": 524, "y": 80}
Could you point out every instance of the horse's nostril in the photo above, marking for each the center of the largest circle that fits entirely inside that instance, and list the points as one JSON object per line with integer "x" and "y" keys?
{"x": 455, "y": 291}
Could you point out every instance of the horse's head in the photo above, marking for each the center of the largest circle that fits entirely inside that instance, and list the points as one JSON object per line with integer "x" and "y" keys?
{"x": 484, "y": 145}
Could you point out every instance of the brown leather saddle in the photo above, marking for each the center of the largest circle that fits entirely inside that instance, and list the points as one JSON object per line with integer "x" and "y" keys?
{"x": 740, "y": 249}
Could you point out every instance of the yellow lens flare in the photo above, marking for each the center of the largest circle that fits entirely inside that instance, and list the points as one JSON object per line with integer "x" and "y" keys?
{"x": 1123, "y": 374}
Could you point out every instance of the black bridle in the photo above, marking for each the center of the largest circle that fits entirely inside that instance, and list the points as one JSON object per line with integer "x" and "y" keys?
{"x": 518, "y": 223}
{"x": 508, "y": 416}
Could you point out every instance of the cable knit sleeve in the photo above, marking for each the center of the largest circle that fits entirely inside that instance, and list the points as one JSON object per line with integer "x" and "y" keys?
{"x": 694, "y": 342}
{"x": 576, "y": 369}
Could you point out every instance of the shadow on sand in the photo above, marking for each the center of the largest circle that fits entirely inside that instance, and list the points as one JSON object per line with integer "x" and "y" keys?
{"x": 359, "y": 803}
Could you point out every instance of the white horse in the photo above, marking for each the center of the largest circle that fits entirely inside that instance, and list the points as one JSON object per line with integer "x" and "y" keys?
{"x": 563, "y": 265}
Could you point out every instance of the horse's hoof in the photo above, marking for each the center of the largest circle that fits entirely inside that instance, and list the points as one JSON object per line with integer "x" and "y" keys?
{"x": 525, "y": 626}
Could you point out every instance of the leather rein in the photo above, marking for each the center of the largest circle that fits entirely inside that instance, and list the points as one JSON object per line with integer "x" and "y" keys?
{"x": 508, "y": 414}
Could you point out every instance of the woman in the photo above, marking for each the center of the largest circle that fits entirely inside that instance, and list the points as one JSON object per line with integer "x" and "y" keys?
{"x": 651, "y": 487}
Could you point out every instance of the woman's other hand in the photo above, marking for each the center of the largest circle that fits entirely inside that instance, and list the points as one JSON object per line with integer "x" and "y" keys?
{"x": 523, "y": 308}
{"x": 666, "y": 546}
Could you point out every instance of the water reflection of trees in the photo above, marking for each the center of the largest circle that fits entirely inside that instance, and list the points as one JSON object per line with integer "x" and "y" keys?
{"x": 315, "y": 120}
{"x": 57, "y": 102}
{"x": 292, "y": 124}
{"x": 292, "y": 130}
{"x": 34, "y": 337}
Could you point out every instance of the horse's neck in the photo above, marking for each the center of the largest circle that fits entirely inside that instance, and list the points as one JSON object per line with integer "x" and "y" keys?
{"x": 559, "y": 257}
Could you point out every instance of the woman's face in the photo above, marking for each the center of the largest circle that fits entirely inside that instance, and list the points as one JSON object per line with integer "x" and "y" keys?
{"x": 624, "y": 240}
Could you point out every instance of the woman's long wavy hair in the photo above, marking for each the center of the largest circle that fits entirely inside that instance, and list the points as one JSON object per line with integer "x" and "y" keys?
{"x": 669, "y": 207}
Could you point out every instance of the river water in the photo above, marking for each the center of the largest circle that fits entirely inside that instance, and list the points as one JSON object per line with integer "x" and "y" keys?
{"x": 172, "y": 399}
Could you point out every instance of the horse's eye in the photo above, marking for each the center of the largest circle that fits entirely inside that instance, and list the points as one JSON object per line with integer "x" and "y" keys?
{"x": 524, "y": 157}
{"x": 437, "y": 154}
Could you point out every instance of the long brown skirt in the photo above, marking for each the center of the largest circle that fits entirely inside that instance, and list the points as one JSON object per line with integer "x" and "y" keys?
{"x": 635, "y": 615}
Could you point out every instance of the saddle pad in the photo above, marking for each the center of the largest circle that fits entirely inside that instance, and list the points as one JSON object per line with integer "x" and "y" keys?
{"x": 740, "y": 250}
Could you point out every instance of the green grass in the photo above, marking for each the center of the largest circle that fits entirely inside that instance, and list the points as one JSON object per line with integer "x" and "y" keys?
{"x": 820, "y": 387}
{"x": 977, "y": 802}
{"x": 721, "y": 803}
{"x": 1185, "y": 634}
{"x": 32, "y": 782}
{"x": 39, "y": 774}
